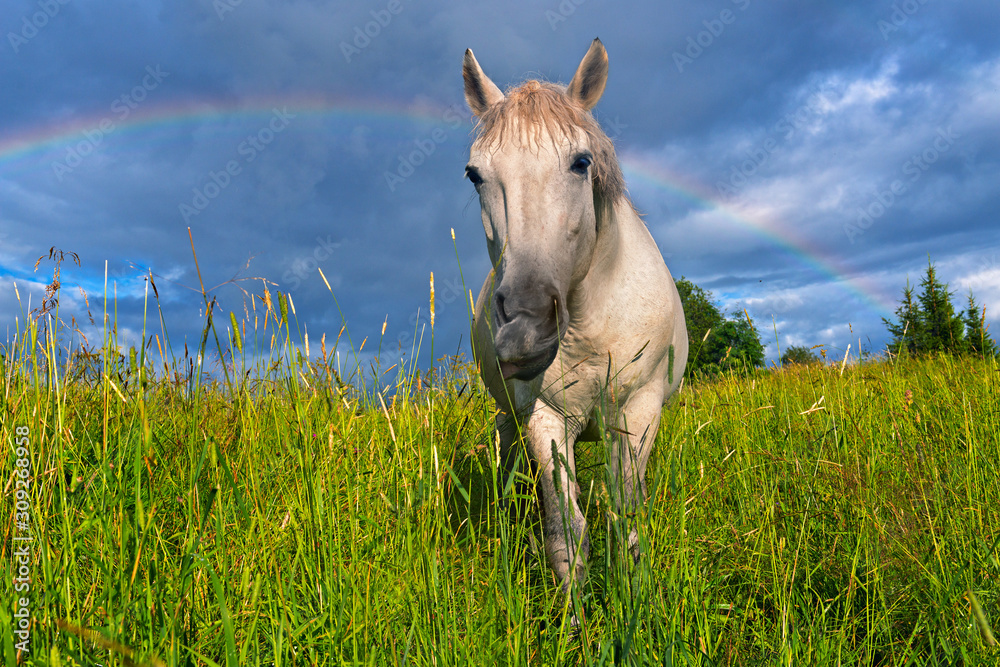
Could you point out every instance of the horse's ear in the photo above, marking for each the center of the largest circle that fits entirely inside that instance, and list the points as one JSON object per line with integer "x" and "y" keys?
{"x": 480, "y": 92}
{"x": 591, "y": 76}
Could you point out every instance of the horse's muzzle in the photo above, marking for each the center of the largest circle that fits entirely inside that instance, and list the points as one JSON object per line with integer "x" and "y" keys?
{"x": 529, "y": 325}
{"x": 528, "y": 369}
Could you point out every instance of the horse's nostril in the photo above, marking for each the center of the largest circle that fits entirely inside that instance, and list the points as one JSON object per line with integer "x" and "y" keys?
{"x": 501, "y": 312}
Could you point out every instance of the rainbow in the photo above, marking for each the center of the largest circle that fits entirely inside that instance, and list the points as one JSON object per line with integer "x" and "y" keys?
{"x": 772, "y": 231}
{"x": 35, "y": 149}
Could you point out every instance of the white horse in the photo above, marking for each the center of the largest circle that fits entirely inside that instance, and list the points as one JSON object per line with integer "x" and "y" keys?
{"x": 579, "y": 326}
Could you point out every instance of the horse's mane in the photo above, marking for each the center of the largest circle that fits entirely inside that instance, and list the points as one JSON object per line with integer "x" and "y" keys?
{"x": 538, "y": 107}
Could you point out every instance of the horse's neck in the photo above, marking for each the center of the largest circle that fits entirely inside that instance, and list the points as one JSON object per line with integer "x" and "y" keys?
{"x": 614, "y": 229}
{"x": 614, "y": 226}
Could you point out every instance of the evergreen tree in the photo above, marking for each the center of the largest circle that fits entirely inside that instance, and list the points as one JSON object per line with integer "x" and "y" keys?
{"x": 976, "y": 339}
{"x": 929, "y": 323}
{"x": 907, "y": 333}
{"x": 942, "y": 327}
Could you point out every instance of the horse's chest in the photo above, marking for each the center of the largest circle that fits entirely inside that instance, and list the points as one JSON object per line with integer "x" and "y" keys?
{"x": 583, "y": 391}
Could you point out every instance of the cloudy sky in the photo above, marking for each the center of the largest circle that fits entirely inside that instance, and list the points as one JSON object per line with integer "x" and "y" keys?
{"x": 798, "y": 159}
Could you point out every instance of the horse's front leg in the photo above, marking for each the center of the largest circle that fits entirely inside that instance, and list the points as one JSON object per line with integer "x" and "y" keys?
{"x": 550, "y": 438}
{"x": 630, "y": 448}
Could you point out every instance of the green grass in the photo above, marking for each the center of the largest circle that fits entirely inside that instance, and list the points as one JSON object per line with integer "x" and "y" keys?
{"x": 820, "y": 515}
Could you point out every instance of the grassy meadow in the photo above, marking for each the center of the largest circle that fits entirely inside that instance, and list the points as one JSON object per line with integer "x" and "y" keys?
{"x": 280, "y": 512}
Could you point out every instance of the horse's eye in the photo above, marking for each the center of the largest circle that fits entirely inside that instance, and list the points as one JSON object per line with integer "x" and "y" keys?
{"x": 581, "y": 164}
{"x": 473, "y": 176}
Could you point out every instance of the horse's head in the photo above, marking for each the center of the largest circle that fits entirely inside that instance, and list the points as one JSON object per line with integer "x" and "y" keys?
{"x": 545, "y": 174}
